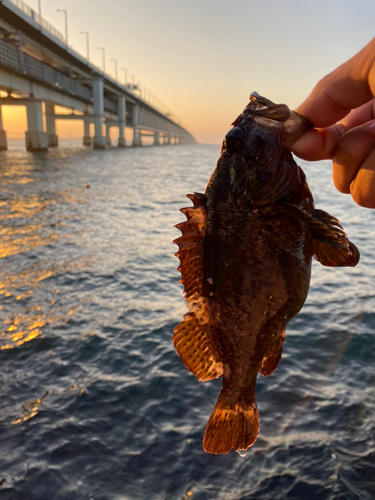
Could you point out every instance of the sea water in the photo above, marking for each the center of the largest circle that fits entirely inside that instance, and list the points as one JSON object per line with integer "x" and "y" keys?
{"x": 96, "y": 404}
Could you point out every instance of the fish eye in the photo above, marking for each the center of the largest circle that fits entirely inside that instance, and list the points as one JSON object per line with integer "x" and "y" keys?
{"x": 234, "y": 138}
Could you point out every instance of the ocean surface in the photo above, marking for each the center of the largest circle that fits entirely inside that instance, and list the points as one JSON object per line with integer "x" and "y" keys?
{"x": 96, "y": 404}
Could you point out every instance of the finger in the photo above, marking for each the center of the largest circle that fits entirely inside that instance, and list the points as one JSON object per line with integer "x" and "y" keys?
{"x": 359, "y": 116}
{"x": 349, "y": 86}
{"x": 318, "y": 144}
{"x": 349, "y": 154}
{"x": 362, "y": 187}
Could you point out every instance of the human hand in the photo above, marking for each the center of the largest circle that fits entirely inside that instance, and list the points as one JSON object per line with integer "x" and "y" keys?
{"x": 342, "y": 109}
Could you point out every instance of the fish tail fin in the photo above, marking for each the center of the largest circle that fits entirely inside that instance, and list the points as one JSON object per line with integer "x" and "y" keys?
{"x": 233, "y": 424}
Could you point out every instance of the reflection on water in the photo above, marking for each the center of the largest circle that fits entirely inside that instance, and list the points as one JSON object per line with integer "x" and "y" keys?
{"x": 30, "y": 220}
{"x": 30, "y": 410}
{"x": 15, "y": 334}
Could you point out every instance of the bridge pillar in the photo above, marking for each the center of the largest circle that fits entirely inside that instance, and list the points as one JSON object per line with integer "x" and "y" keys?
{"x": 36, "y": 138}
{"x": 51, "y": 124}
{"x": 99, "y": 140}
{"x": 121, "y": 107}
{"x": 3, "y": 136}
{"x": 167, "y": 139}
{"x": 107, "y": 137}
{"x": 136, "y": 135}
{"x": 87, "y": 141}
{"x": 156, "y": 139}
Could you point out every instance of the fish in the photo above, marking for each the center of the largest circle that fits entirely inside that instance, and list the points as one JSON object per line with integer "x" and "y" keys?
{"x": 245, "y": 254}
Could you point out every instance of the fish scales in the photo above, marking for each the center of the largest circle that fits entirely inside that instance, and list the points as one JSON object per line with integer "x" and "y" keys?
{"x": 245, "y": 254}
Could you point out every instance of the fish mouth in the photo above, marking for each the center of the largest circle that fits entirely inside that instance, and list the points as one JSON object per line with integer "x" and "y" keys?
{"x": 264, "y": 107}
{"x": 262, "y": 101}
{"x": 294, "y": 125}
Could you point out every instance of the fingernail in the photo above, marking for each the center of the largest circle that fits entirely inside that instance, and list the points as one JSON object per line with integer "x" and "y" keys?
{"x": 372, "y": 127}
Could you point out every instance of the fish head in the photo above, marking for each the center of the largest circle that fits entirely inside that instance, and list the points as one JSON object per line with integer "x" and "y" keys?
{"x": 255, "y": 152}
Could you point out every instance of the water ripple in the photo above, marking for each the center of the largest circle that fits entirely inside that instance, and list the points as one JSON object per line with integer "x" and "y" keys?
{"x": 95, "y": 403}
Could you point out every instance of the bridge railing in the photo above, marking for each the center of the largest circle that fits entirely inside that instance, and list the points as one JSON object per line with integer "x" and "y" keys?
{"x": 38, "y": 19}
{"x": 14, "y": 59}
{"x": 26, "y": 9}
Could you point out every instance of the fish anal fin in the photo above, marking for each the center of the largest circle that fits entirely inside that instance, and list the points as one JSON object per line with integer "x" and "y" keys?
{"x": 193, "y": 337}
{"x": 272, "y": 359}
{"x": 192, "y": 341}
{"x": 331, "y": 246}
{"x": 232, "y": 425}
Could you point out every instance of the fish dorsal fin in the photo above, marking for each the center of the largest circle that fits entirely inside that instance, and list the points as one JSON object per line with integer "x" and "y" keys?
{"x": 272, "y": 359}
{"x": 193, "y": 337}
{"x": 331, "y": 246}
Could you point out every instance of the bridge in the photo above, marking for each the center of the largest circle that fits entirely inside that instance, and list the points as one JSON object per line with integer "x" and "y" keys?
{"x": 40, "y": 71}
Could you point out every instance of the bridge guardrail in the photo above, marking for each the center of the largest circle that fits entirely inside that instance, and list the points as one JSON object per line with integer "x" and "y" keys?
{"x": 22, "y": 63}
{"x": 38, "y": 19}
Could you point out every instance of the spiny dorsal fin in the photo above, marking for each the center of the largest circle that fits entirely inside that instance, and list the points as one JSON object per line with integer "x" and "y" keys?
{"x": 193, "y": 337}
{"x": 331, "y": 246}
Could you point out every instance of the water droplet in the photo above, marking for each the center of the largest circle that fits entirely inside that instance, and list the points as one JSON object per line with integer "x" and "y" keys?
{"x": 242, "y": 453}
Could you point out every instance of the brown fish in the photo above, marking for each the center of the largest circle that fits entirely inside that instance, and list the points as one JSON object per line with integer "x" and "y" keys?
{"x": 245, "y": 255}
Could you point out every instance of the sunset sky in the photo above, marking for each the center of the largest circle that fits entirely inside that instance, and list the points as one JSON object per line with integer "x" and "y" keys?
{"x": 202, "y": 58}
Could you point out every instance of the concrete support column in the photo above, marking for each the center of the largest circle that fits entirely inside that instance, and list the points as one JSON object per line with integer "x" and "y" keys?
{"x": 36, "y": 138}
{"x": 136, "y": 135}
{"x": 121, "y": 110}
{"x": 99, "y": 140}
{"x": 51, "y": 125}
{"x": 167, "y": 139}
{"x": 156, "y": 139}
{"x": 107, "y": 137}
{"x": 87, "y": 141}
{"x": 3, "y": 136}
{"x": 176, "y": 139}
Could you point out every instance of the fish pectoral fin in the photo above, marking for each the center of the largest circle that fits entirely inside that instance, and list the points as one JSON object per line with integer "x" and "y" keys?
{"x": 336, "y": 257}
{"x": 331, "y": 246}
{"x": 193, "y": 337}
{"x": 272, "y": 359}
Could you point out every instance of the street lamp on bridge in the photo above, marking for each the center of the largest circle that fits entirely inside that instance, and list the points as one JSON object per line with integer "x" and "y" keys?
{"x": 115, "y": 61}
{"x": 132, "y": 85}
{"x": 103, "y": 54}
{"x": 125, "y": 75}
{"x": 66, "y": 24}
{"x": 87, "y": 44}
